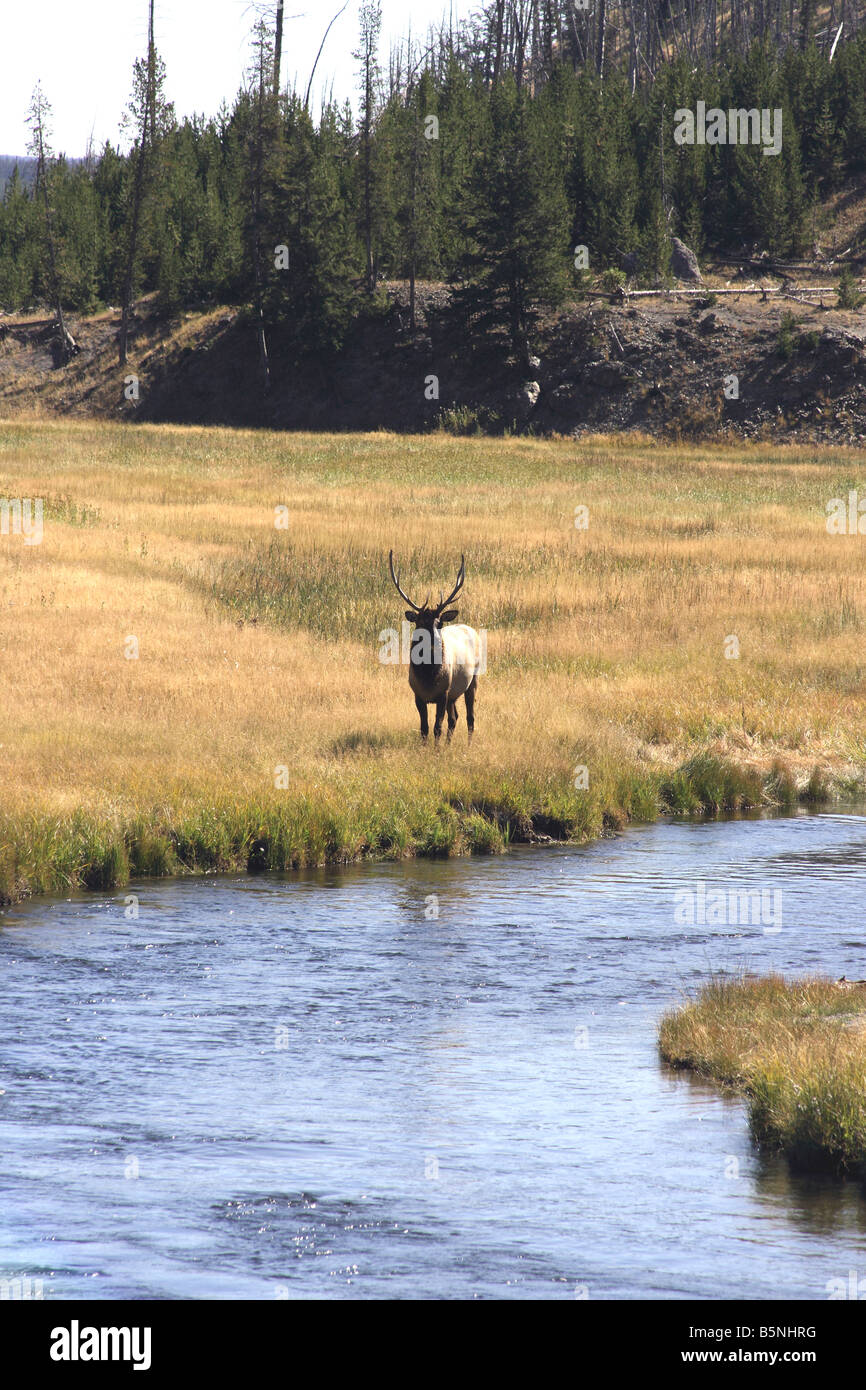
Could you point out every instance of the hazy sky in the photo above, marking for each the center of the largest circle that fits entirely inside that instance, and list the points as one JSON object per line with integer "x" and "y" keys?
{"x": 83, "y": 51}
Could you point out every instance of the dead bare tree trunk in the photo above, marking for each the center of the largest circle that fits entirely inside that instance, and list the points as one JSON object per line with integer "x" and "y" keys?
{"x": 806, "y": 23}
{"x": 413, "y": 261}
{"x": 262, "y": 96}
{"x": 632, "y": 48}
{"x": 278, "y": 47}
{"x": 148, "y": 118}
{"x": 500, "y": 20}
{"x": 521, "y": 31}
{"x": 366, "y": 54}
{"x": 599, "y": 50}
{"x": 318, "y": 56}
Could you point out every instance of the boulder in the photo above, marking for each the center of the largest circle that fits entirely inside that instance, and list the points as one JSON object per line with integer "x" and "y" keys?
{"x": 684, "y": 263}
{"x": 608, "y": 375}
{"x": 566, "y": 393}
{"x": 524, "y": 399}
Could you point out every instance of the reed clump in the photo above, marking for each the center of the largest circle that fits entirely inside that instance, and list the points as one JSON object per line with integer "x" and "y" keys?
{"x": 796, "y": 1049}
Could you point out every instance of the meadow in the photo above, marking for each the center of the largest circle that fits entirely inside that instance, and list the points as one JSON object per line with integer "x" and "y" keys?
{"x": 190, "y": 673}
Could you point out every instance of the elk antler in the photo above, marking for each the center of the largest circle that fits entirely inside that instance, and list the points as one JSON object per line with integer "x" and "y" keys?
{"x": 396, "y": 579}
{"x": 461, "y": 576}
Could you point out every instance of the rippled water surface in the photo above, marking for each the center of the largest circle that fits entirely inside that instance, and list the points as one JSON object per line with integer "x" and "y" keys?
{"x": 307, "y": 1087}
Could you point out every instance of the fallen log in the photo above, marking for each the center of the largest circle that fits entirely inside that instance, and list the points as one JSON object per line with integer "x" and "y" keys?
{"x": 704, "y": 293}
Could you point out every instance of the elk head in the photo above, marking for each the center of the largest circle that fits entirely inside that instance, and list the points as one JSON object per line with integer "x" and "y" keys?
{"x": 428, "y": 619}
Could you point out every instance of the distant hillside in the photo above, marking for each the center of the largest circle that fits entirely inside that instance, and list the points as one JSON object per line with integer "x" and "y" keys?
{"x": 26, "y": 168}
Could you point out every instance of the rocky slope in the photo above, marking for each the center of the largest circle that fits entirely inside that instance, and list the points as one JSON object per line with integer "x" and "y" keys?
{"x": 663, "y": 366}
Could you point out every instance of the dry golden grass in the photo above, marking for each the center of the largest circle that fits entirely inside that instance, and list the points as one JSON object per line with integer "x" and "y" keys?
{"x": 606, "y": 646}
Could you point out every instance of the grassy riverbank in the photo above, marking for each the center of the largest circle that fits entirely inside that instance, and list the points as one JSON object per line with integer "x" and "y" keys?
{"x": 256, "y": 724}
{"x": 797, "y": 1049}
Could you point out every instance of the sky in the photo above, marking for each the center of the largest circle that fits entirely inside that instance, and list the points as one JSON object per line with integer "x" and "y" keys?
{"x": 83, "y": 52}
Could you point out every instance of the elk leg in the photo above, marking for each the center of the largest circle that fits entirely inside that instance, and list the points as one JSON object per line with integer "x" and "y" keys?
{"x": 440, "y": 715}
{"x": 421, "y": 707}
{"x": 453, "y": 716}
{"x": 470, "y": 706}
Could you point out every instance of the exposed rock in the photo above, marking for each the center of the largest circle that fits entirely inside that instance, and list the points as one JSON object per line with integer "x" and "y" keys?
{"x": 684, "y": 263}
{"x": 608, "y": 376}
{"x": 524, "y": 400}
{"x": 566, "y": 393}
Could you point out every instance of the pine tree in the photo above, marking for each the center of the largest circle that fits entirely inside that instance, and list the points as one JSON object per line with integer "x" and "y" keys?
{"x": 518, "y": 257}
{"x": 39, "y": 123}
{"x": 463, "y": 109}
{"x": 151, "y": 116}
{"x": 108, "y": 184}
{"x": 79, "y": 229}
{"x": 314, "y": 298}
{"x": 367, "y": 55}
{"x": 416, "y": 157}
{"x": 19, "y": 243}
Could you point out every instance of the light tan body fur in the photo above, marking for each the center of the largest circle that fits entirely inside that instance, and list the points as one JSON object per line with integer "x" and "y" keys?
{"x": 445, "y": 659}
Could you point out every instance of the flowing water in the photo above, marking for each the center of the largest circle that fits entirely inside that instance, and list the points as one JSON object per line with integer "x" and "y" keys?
{"x": 314, "y": 1086}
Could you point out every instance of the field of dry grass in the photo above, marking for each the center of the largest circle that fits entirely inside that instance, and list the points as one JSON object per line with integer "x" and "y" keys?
{"x": 797, "y": 1049}
{"x": 258, "y": 647}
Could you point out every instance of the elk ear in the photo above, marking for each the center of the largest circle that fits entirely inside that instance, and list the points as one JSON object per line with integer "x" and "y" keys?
{"x": 412, "y": 616}
{"x": 449, "y": 616}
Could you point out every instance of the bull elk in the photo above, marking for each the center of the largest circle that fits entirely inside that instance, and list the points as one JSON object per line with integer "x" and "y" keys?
{"x": 444, "y": 662}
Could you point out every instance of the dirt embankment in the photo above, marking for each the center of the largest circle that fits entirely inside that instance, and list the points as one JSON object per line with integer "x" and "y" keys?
{"x": 663, "y": 366}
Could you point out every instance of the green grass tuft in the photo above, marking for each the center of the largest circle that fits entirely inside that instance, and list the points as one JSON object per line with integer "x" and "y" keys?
{"x": 796, "y": 1049}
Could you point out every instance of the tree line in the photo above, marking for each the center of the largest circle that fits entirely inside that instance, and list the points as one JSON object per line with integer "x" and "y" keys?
{"x": 483, "y": 156}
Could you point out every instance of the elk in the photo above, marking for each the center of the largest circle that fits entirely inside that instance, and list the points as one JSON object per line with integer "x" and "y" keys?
{"x": 444, "y": 662}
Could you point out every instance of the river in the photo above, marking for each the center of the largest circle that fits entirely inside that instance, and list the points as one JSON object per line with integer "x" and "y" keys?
{"x": 429, "y": 1079}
